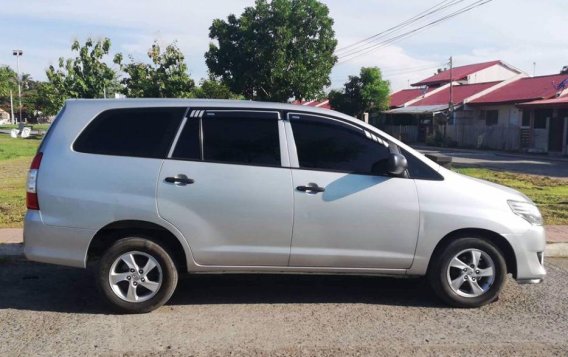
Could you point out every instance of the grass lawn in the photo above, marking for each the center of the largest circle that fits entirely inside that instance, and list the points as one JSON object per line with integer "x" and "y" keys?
{"x": 15, "y": 158}
{"x": 550, "y": 195}
{"x": 34, "y": 126}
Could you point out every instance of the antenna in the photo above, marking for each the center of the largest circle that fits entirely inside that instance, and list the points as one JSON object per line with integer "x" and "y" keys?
{"x": 534, "y": 69}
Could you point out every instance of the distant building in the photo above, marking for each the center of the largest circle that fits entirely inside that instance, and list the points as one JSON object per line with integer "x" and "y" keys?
{"x": 4, "y": 116}
{"x": 324, "y": 103}
{"x": 491, "y": 109}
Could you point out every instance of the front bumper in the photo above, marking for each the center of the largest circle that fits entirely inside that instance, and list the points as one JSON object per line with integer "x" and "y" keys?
{"x": 529, "y": 254}
{"x": 54, "y": 244}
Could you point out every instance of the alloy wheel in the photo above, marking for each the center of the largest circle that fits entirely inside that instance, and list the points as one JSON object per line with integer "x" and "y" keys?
{"x": 471, "y": 273}
{"x": 135, "y": 276}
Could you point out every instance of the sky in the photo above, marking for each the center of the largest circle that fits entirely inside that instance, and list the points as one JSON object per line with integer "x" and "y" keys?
{"x": 519, "y": 32}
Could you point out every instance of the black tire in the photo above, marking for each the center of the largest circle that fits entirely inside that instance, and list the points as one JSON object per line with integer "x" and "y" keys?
{"x": 438, "y": 273}
{"x": 144, "y": 247}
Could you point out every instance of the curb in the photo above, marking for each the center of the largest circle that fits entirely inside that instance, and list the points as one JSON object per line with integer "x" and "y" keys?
{"x": 16, "y": 250}
{"x": 556, "y": 250}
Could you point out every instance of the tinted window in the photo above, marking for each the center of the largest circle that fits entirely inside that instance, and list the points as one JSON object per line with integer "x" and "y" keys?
{"x": 188, "y": 146}
{"x": 419, "y": 170}
{"x": 143, "y": 132}
{"x": 241, "y": 137}
{"x": 323, "y": 144}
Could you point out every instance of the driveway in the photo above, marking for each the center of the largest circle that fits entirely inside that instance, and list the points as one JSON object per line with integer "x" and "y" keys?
{"x": 527, "y": 164}
{"x": 51, "y": 310}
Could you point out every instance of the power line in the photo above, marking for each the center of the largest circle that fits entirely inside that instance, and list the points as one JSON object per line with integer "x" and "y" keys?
{"x": 388, "y": 41}
{"x": 438, "y": 7}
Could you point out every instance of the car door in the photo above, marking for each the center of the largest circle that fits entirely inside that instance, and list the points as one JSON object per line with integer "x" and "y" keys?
{"x": 348, "y": 213}
{"x": 227, "y": 187}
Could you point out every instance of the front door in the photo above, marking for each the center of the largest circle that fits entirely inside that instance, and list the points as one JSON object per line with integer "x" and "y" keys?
{"x": 226, "y": 188}
{"x": 540, "y": 129}
{"x": 556, "y": 132}
{"x": 347, "y": 212}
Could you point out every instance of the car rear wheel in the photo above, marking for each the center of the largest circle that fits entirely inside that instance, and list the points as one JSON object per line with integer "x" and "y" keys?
{"x": 468, "y": 272}
{"x": 136, "y": 275}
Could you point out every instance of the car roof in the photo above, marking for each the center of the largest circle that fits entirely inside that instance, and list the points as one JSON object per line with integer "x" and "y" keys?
{"x": 217, "y": 103}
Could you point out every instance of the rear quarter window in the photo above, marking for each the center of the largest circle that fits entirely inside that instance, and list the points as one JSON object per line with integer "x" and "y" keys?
{"x": 139, "y": 132}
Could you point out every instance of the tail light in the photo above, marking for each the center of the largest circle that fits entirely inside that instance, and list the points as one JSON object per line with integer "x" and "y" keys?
{"x": 31, "y": 186}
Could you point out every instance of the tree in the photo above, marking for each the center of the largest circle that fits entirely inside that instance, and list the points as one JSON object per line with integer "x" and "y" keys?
{"x": 8, "y": 83}
{"x": 364, "y": 93}
{"x": 165, "y": 77}
{"x": 275, "y": 50}
{"x": 213, "y": 89}
{"x": 85, "y": 76}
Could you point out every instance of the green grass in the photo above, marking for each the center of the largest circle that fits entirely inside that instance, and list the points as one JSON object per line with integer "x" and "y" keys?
{"x": 12, "y": 191}
{"x": 11, "y": 148}
{"x": 34, "y": 126}
{"x": 550, "y": 194}
{"x": 15, "y": 158}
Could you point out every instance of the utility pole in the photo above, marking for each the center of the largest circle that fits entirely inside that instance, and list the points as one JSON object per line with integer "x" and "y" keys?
{"x": 12, "y": 118}
{"x": 451, "y": 102}
{"x": 18, "y": 53}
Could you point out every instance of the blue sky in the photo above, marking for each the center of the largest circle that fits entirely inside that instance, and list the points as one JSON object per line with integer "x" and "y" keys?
{"x": 518, "y": 32}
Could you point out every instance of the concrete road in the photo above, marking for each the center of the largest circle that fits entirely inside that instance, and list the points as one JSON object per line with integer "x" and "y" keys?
{"x": 49, "y": 310}
{"x": 527, "y": 164}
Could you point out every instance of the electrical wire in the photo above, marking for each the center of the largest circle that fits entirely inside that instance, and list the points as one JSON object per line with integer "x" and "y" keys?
{"x": 438, "y": 7}
{"x": 370, "y": 48}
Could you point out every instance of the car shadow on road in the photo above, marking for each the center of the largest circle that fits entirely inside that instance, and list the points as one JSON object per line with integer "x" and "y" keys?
{"x": 42, "y": 287}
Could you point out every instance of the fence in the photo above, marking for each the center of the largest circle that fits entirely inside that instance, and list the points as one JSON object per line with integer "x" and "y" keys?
{"x": 473, "y": 136}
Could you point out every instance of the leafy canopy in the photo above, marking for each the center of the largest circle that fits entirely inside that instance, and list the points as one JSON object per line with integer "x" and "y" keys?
{"x": 8, "y": 81}
{"x": 275, "y": 50}
{"x": 165, "y": 77}
{"x": 213, "y": 89}
{"x": 364, "y": 93}
{"x": 85, "y": 76}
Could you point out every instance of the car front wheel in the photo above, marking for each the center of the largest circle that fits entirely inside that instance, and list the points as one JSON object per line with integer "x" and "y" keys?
{"x": 136, "y": 275}
{"x": 468, "y": 272}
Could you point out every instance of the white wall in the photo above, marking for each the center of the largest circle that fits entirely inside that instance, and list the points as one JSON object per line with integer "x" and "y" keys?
{"x": 496, "y": 72}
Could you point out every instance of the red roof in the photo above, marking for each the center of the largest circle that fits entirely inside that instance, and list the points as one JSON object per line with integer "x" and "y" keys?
{"x": 458, "y": 73}
{"x": 459, "y": 93}
{"x": 314, "y": 103}
{"x": 561, "y": 102}
{"x": 399, "y": 98}
{"x": 524, "y": 90}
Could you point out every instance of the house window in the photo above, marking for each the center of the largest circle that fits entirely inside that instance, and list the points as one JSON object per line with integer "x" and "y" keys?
{"x": 540, "y": 118}
{"x": 491, "y": 117}
{"x": 526, "y": 119}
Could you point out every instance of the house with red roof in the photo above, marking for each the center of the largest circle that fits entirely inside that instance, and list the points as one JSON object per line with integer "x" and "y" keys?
{"x": 523, "y": 125}
{"x": 414, "y": 112}
{"x": 314, "y": 103}
{"x": 550, "y": 114}
{"x": 485, "y": 105}
{"x": 471, "y": 73}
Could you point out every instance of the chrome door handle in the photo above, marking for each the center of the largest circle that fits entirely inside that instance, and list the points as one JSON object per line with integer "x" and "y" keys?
{"x": 180, "y": 179}
{"x": 311, "y": 188}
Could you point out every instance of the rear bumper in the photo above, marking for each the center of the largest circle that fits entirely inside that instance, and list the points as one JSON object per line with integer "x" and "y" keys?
{"x": 529, "y": 253}
{"x": 53, "y": 244}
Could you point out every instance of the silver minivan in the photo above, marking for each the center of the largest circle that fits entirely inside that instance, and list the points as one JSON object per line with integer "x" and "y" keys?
{"x": 147, "y": 189}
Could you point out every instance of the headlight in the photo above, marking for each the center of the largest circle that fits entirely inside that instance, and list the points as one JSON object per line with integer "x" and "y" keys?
{"x": 527, "y": 210}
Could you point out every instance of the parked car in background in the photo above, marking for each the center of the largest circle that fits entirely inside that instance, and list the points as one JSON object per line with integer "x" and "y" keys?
{"x": 149, "y": 189}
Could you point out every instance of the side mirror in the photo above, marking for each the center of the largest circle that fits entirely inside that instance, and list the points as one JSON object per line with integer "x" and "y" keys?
{"x": 397, "y": 164}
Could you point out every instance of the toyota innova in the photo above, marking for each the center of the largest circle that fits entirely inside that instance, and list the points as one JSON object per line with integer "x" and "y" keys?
{"x": 147, "y": 189}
